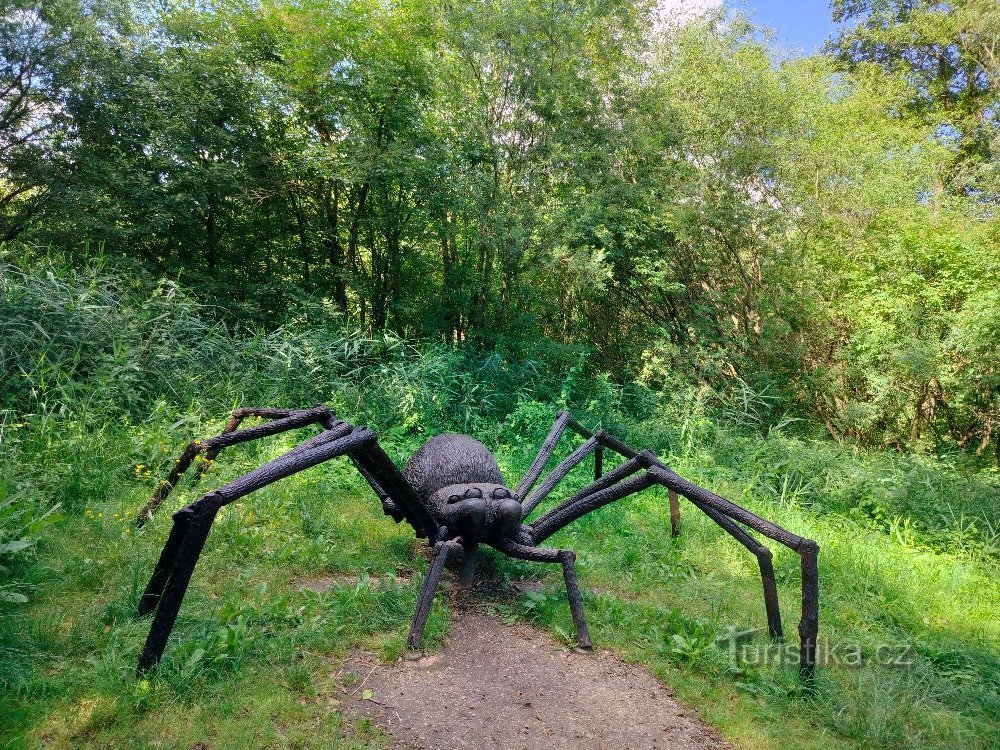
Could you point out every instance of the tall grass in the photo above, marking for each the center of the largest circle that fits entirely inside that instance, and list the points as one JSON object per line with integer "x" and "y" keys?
{"x": 106, "y": 375}
{"x": 89, "y": 342}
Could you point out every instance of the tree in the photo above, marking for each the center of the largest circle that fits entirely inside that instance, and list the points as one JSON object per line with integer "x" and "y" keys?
{"x": 33, "y": 128}
{"x": 948, "y": 53}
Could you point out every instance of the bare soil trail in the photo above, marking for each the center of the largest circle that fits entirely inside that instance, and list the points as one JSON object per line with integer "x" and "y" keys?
{"x": 500, "y": 686}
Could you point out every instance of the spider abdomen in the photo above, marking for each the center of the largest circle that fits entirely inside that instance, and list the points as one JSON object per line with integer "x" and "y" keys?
{"x": 449, "y": 459}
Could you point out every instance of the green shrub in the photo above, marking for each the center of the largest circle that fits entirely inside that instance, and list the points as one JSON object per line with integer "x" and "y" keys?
{"x": 21, "y": 522}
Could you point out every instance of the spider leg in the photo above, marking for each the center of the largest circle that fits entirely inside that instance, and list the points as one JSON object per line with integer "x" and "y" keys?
{"x": 613, "y": 443}
{"x": 595, "y": 442}
{"x": 585, "y": 502}
{"x": 398, "y": 498}
{"x": 621, "y": 483}
{"x": 435, "y": 571}
{"x": 284, "y": 420}
{"x": 600, "y": 493}
{"x": 567, "y": 559}
{"x": 184, "y": 517}
{"x": 468, "y": 568}
{"x": 192, "y": 524}
{"x": 544, "y": 454}
{"x": 328, "y": 420}
{"x": 764, "y": 562}
{"x": 555, "y": 476}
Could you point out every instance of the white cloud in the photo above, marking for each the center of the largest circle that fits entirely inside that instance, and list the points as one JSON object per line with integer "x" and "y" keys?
{"x": 679, "y": 12}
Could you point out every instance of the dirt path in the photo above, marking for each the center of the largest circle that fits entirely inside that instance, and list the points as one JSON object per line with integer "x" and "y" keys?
{"x": 497, "y": 686}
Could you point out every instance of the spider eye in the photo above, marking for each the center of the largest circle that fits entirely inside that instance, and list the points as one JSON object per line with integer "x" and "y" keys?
{"x": 473, "y": 492}
{"x": 453, "y": 499}
{"x": 501, "y": 492}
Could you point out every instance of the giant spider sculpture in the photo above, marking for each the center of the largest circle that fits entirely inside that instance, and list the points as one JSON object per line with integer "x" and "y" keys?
{"x": 453, "y": 495}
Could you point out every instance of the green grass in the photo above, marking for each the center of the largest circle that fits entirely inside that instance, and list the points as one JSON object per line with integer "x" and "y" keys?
{"x": 254, "y": 658}
{"x": 251, "y": 661}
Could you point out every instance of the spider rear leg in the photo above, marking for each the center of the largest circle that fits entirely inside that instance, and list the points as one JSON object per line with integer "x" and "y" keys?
{"x": 235, "y": 420}
{"x": 764, "y": 562}
{"x": 567, "y": 559}
{"x": 165, "y": 564}
{"x": 283, "y": 421}
{"x": 675, "y": 513}
{"x": 183, "y": 518}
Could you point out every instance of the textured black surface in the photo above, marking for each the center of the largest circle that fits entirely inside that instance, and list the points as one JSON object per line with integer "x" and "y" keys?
{"x": 453, "y": 494}
{"x": 450, "y": 459}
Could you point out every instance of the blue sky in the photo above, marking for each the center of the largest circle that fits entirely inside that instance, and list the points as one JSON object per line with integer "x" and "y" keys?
{"x": 801, "y": 25}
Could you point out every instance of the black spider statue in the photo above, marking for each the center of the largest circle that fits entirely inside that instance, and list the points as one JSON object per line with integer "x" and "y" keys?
{"x": 453, "y": 494}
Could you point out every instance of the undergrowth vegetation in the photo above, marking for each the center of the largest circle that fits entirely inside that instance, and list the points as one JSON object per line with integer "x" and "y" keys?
{"x": 777, "y": 270}
{"x": 106, "y": 375}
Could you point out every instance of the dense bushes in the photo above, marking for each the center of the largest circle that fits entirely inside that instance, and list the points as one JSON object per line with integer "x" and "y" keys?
{"x": 815, "y": 232}
{"x": 104, "y": 372}
{"x": 93, "y": 344}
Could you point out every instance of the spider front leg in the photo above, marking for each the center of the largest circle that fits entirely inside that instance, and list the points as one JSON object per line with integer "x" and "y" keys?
{"x": 192, "y": 525}
{"x": 442, "y": 550}
{"x": 567, "y": 559}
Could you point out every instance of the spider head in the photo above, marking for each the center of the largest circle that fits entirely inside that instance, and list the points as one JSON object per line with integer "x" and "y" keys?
{"x": 478, "y": 511}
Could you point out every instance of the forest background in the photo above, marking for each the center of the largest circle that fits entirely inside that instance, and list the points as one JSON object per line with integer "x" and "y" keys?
{"x": 563, "y": 182}
{"x": 778, "y": 270}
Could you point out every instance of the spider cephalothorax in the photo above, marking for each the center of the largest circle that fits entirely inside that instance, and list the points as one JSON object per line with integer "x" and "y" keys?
{"x": 453, "y": 494}
{"x": 459, "y": 480}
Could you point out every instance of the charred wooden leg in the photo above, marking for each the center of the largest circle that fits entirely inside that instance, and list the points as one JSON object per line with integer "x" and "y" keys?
{"x": 764, "y": 562}
{"x": 770, "y": 585}
{"x": 627, "y": 469}
{"x": 165, "y": 565}
{"x": 567, "y": 559}
{"x": 170, "y": 580}
{"x": 434, "y": 573}
{"x": 163, "y": 488}
{"x": 675, "y": 514}
{"x": 568, "y": 512}
{"x": 544, "y": 454}
{"x": 284, "y": 420}
{"x": 575, "y": 602}
{"x": 176, "y": 586}
{"x": 730, "y": 516}
{"x": 382, "y": 474}
{"x": 807, "y": 549}
{"x": 809, "y": 624}
{"x": 192, "y": 450}
{"x": 468, "y": 568}
{"x": 213, "y": 453}
{"x": 557, "y": 475}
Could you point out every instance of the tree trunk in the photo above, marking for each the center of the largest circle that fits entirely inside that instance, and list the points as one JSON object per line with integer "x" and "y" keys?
{"x": 212, "y": 255}
{"x": 335, "y": 252}
{"x": 352, "y": 237}
{"x": 450, "y": 281}
{"x": 300, "y": 223}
